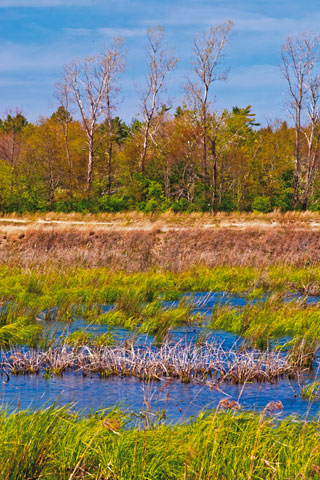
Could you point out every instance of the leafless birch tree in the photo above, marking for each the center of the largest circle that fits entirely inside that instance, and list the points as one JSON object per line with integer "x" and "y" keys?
{"x": 312, "y": 135}
{"x": 208, "y": 55}
{"x": 91, "y": 83}
{"x": 300, "y": 62}
{"x": 161, "y": 62}
{"x": 115, "y": 62}
{"x": 64, "y": 117}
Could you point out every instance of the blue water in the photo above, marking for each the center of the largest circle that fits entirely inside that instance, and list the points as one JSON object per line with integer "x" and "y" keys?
{"x": 180, "y": 401}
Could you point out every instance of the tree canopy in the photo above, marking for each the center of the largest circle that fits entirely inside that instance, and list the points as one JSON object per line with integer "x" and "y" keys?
{"x": 191, "y": 158}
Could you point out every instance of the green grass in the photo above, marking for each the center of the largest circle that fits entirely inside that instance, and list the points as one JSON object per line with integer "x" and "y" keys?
{"x": 151, "y": 318}
{"x": 54, "y": 444}
{"x": 17, "y": 327}
{"x": 311, "y": 391}
{"x": 82, "y": 292}
{"x": 54, "y": 288}
{"x": 80, "y": 338}
{"x": 270, "y": 318}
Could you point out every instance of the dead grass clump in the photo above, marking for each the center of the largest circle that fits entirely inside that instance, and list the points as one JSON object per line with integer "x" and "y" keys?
{"x": 229, "y": 404}
{"x": 303, "y": 353}
{"x": 312, "y": 288}
{"x": 273, "y": 406}
{"x": 185, "y": 362}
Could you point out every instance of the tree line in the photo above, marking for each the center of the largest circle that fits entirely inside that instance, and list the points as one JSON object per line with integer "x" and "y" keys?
{"x": 192, "y": 158}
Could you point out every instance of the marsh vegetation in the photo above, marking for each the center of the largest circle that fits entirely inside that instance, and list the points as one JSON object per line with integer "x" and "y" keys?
{"x": 226, "y": 339}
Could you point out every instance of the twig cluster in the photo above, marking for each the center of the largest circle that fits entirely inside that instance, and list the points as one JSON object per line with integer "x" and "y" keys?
{"x": 186, "y": 362}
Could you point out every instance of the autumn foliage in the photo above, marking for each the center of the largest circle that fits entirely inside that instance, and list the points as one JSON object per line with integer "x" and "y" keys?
{"x": 84, "y": 158}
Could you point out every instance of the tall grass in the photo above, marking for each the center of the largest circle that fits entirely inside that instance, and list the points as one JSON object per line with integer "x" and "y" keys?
{"x": 53, "y": 287}
{"x": 35, "y": 296}
{"x": 270, "y": 318}
{"x": 55, "y": 444}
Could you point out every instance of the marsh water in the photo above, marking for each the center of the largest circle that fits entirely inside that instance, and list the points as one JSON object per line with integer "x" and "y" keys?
{"x": 180, "y": 401}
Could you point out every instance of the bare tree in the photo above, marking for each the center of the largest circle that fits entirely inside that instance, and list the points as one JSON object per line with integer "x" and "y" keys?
{"x": 161, "y": 62}
{"x": 208, "y": 55}
{"x": 312, "y": 134}
{"x": 90, "y": 83}
{"x": 115, "y": 66}
{"x": 63, "y": 116}
{"x": 300, "y": 58}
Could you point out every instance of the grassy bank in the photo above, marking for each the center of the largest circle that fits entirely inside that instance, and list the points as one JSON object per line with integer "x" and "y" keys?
{"x": 53, "y": 444}
{"x": 175, "y": 243}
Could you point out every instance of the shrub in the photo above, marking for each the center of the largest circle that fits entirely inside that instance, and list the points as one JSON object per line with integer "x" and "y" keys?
{"x": 180, "y": 205}
{"x": 261, "y": 204}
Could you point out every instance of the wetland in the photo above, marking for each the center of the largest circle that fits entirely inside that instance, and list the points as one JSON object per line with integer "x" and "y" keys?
{"x": 114, "y": 372}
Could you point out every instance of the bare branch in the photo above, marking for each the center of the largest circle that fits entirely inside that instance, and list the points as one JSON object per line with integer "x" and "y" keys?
{"x": 300, "y": 60}
{"x": 92, "y": 86}
{"x": 161, "y": 62}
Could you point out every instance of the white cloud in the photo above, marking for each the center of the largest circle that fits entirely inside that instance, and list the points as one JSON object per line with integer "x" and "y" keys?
{"x": 43, "y": 3}
{"x": 245, "y": 21}
{"x": 122, "y": 32}
{"x": 280, "y": 26}
{"x": 19, "y": 58}
{"x": 107, "y": 32}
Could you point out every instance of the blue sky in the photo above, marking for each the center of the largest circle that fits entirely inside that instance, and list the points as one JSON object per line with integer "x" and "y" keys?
{"x": 38, "y": 37}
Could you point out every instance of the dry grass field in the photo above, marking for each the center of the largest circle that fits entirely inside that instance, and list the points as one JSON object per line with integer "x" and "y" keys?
{"x": 137, "y": 242}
